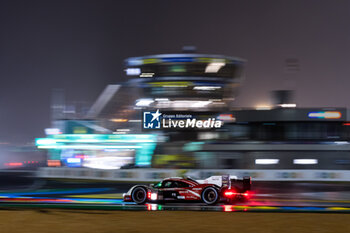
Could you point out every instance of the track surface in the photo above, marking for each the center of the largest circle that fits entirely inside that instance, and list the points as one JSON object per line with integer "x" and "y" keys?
{"x": 86, "y": 221}
{"x": 109, "y": 198}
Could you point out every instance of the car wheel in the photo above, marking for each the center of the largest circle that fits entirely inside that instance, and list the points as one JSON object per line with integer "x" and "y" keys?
{"x": 210, "y": 195}
{"x": 139, "y": 195}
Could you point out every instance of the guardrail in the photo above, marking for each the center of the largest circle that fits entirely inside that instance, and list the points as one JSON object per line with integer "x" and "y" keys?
{"x": 153, "y": 175}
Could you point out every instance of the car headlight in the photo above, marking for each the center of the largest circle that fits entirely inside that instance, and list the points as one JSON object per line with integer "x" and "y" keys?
{"x": 154, "y": 196}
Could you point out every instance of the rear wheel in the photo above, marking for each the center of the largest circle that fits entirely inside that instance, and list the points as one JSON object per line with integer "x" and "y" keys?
{"x": 139, "y": 195}
{"x": 210, "y": 196}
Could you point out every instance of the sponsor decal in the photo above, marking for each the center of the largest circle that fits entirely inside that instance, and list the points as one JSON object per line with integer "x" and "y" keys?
{"x": 288, "y": 175}
{"x": 327, "y": 175}
{"x": 125, "y": 175}
{"x": 251, "y": 174}
{"x": 194, "y": 193}
{"x": 158, "y": 175}
{"x": 151, "y": 120}
{"x": 158, "y": 120}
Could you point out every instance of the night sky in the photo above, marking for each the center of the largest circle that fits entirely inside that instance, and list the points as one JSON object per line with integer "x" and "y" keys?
{"x": 80, "y": 46}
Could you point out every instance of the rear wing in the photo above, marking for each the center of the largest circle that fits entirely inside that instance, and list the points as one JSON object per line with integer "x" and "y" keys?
{"x": 243, "y": 184}
{"x": 229, "y": 181}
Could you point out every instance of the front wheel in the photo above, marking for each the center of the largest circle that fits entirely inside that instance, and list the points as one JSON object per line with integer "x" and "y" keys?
{"x": 210, "y": 196}
{"x": 139, "y": 195}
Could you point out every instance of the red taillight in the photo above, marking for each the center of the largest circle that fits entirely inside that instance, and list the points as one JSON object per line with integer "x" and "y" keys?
{"x": 149, "y": 195}
{"x": 246, "y": 195}
{"x": 229, "y": 193}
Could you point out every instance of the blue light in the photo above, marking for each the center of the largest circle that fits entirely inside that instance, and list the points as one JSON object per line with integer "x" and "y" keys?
{"x": 178, "y": 59}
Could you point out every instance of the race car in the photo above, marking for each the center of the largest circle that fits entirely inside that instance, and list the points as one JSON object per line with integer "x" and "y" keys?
{"x": 212, "y": 190}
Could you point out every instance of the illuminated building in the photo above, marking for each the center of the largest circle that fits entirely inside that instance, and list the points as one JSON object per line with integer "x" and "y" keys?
{"x": 282, "y": 136}
{"x": 278, "y": 138}
{"x": 105, "y": 136}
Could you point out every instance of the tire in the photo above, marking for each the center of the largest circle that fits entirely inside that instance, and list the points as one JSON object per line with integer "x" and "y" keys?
{"x": 139, "y": 195}
{"x": 210, "y": 196}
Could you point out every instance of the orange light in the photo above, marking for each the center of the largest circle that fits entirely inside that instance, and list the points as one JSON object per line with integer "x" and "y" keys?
{"x": 118, "y": 120}
{"x": 14, "y": 164}
{"x": 53, "y": 163}
{"x": 226, "y": 117}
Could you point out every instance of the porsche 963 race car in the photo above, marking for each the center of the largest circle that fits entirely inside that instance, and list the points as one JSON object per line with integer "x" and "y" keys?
{"x": 226, "y": 188}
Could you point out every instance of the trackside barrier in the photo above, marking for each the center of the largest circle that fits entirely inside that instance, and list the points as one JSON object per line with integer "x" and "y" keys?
{"x": 151, "y": 175}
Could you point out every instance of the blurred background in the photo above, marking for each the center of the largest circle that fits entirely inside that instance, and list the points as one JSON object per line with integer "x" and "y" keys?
{"x": 76, "y": 77}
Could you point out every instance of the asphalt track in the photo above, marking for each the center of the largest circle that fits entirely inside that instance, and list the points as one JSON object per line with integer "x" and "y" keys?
{"x": 107, "y": 198}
